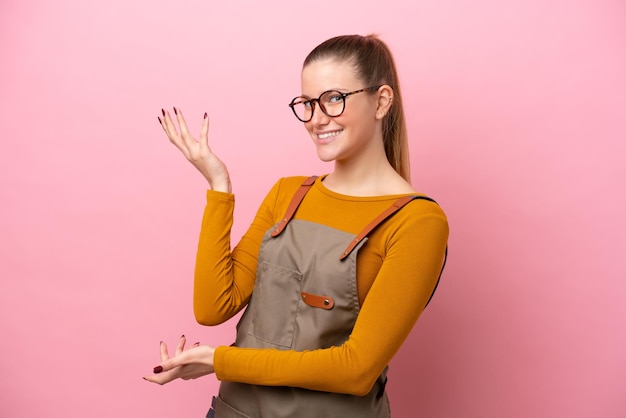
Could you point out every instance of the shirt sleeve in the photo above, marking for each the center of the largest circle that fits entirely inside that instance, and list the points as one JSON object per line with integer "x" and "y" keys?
{"x": 397, "y": 297}
{"x": 223, "y": 281}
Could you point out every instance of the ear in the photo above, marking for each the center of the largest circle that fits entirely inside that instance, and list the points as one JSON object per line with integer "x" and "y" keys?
{"x": 385, "y": 100}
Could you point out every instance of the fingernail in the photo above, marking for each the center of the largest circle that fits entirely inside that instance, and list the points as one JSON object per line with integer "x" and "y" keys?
{"x": 159, "y": 120}
{"x": 206, "y": 115}
{"x": 158, "y": 369}
{"x": 196, "y": 344}
{"x": 182, "y": 336}
{"x": 144, "y": 378}
{"x": 161, "y": 342}
{"x": 163, "y": 111}
{"x": 175, "y": 111}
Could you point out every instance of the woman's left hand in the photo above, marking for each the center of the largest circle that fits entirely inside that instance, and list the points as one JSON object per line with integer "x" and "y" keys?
{"x": 187, "y": 364}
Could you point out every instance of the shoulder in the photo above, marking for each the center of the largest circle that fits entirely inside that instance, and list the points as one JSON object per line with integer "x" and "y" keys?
{"x": 287, "y": 186}
{"x": 421, "y": 212}
{"x": 292, "y": 182}
{"x": 282, "y": 192}
{"x": 419, "y": 229}
{"x": 423, "y": 204}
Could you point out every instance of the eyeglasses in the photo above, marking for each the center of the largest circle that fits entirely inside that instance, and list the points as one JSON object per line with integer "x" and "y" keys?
{"x": 332, "y": 103}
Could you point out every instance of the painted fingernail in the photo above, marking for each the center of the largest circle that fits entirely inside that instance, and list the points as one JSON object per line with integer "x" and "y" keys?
{"x": 163, "y": 111}
{"x": 182, "y": 336}
{"x": 206, "y": 115}
{"x": 158, "y": 369}
{"x": 175, "y": 111}
{"x": 159, "y": 120}
{"x": 196, "y": 344}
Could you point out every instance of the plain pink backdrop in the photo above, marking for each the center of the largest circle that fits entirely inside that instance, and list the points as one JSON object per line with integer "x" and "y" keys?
{"x": 516, "y": 117}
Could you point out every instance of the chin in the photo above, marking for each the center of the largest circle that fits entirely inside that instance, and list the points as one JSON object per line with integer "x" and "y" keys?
{"x": 325, "y": 158}
{"x": 325, "y": 155}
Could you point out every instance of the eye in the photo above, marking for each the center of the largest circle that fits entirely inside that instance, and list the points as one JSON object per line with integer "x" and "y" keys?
{"x": 301, "y": 101}
{"x": 331, "y": 98}
{"x": 334, "y": 97}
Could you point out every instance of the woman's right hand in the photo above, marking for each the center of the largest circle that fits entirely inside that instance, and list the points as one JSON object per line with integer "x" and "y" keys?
{"x": 197, "y": 152}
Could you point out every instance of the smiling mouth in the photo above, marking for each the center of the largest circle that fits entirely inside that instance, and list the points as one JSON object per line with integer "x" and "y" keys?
{"x": 326, "y": 135}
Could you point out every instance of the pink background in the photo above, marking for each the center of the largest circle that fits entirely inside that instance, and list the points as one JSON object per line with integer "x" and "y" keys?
{"x": 516, "y": 116}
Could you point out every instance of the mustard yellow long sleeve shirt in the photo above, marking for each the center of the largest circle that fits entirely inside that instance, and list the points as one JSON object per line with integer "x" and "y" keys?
{"x": 397, "y": 270}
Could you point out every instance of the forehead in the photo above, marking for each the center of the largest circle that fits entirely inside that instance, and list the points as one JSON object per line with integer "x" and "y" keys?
{"x": 328, "y": 74}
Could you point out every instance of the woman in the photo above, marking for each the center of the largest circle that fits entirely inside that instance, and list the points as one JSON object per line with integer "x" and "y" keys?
{"x": 334, "y": 270}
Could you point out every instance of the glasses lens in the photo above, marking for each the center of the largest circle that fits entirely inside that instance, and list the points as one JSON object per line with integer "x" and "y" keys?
{"x": 333, "y": 102}
{"x": 302, "y": 108}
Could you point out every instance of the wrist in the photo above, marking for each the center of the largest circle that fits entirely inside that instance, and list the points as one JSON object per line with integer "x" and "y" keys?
{"x": 215, "y": 356}
{"x": 222, "y": 186}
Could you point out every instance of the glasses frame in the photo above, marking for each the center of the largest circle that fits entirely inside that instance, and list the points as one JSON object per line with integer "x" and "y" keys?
{"x": 295, "y": 101}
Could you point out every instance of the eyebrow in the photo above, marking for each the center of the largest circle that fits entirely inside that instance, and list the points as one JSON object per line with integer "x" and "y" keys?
{"x": 339, "y": 89}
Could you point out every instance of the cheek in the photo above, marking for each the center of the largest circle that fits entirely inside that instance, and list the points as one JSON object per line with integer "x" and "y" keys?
{"x": 361, "y": 113}
{"x": 309, "y": 127}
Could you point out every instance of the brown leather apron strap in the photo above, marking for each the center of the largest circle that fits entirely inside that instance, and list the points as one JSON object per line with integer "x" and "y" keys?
{"x": 293, "y": 205}
{"x": 396, "y": 206}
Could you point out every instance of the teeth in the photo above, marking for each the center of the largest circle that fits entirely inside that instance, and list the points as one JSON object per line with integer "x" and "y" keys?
{"x": 328, "y": 134}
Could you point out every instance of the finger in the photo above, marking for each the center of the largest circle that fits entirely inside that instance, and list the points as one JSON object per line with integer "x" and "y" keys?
{"x": 171, "y": 363}
{"x": 170, "y": 128}
{"x": 162, "y": 121}
{"x": 184, "y": 131}
{"x": 164, "y": 377}
{"x": 204, "y": 132}
{"x": 154, "y": 378}
{"x": 181, "y": 344}
{"x": 171, "y": 131}
{"x": 183, "y": 372}
{"x": 195, "y": 355}
{"x": 168, "y": 124}
{"x": 164, "y": 353}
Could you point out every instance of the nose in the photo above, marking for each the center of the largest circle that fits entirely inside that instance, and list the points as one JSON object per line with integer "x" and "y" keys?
{"x": 318, "y": 117}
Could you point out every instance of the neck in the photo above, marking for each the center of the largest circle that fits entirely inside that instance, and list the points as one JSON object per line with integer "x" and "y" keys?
{"x": 375, "y": 178}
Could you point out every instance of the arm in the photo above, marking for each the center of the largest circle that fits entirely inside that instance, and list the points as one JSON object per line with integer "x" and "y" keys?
{"x": 402, "y": 287}
{"x": 223, "y": 282}
{"x": 397, "y": 297}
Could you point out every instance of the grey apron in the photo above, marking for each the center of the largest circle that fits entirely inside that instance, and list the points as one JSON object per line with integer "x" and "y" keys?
{"x": 304, "y": 298}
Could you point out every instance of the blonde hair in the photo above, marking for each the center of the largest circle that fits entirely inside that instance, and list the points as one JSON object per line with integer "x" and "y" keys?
{"x": 375, "y": 66}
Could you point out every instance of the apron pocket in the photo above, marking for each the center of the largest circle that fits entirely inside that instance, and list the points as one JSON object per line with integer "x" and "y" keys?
{"x": 224, "y": 410}
{"x": 274, "y": 304}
